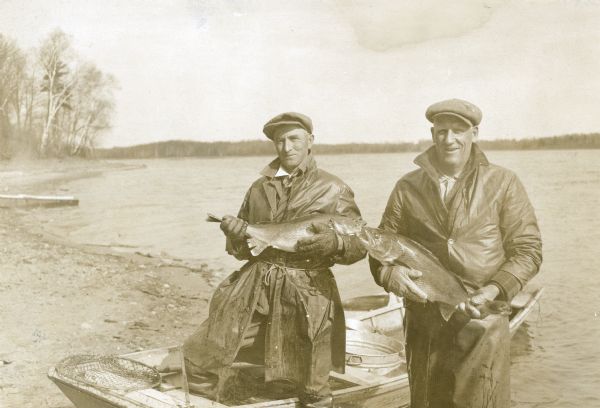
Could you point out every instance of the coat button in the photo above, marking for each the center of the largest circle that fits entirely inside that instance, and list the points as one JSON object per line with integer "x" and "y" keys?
{"x": 450, "y": 241}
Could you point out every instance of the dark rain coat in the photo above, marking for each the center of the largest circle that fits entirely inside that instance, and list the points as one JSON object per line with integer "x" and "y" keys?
{"x": 486, "y": 232}
{"x": 301, "y": 302}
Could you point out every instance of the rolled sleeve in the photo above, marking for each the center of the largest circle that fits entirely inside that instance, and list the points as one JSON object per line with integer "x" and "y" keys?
{"x": 508, "y": 284}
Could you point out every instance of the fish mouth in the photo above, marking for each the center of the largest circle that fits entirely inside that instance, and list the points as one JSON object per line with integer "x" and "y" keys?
{"x": 354, "y": 228}
{"x": 369, "y": 239}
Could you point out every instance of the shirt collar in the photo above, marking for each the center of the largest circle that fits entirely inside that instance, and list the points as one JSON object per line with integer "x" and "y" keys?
{"x": 427, "y": 162}
{"x": 281, "y": 172}
{"x": 445, "y": 177}
{"x": 274, "y": 168}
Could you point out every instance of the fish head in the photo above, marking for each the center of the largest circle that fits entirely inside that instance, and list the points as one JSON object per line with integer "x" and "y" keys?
{"x": 385, "y": 246}
{"x": 375, "y": 242}
{"x": 347, "y": 226}
{"x": 371, "y": 237}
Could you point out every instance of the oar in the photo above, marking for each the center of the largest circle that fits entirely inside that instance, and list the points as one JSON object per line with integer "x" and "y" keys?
{"x": 213, "y": 218}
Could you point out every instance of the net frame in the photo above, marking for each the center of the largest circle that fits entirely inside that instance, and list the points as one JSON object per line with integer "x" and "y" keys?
{"x": 113, "y": 373}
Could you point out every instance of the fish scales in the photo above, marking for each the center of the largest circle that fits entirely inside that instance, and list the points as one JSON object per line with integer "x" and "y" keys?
{"x": 285, "y": 235}
{"x": 440, "y": 284}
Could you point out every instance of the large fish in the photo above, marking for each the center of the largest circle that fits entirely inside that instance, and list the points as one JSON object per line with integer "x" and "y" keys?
{"x": 440, "y": 284}
{"x": 285, "y": 235}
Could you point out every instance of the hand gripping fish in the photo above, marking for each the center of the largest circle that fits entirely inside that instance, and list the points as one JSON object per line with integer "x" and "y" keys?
{"x": 440, "y": 284}
{"x": 285, "y": 235}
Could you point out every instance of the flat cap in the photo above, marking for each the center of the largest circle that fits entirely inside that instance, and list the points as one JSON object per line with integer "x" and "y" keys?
{"x": 457, "y": 107}
{"x": 287, "y": 118}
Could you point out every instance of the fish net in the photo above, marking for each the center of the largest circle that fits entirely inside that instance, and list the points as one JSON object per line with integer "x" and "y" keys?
{"x": 109, "y": 372}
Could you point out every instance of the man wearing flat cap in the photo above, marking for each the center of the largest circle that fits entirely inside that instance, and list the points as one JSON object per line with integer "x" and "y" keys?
{"x": 283, "y": 309}
{"x": 477, "y": 219}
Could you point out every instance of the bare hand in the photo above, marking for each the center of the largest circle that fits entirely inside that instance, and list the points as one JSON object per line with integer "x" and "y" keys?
{"x": 400, "y": 282}
{"x": 233, "y": 227}
{"x": 478, "y": 298}
{"x": 323, "y": 243}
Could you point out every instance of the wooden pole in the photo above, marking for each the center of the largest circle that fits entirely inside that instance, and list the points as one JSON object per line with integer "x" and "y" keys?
{"x": 184, "y": 379}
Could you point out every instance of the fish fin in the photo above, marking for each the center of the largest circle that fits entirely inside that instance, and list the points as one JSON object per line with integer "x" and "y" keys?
{"x": 256, "y": 246}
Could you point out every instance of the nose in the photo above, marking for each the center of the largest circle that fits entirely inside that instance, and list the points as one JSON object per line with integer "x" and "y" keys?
{"x": 450, "y": 137}
{"x": 287, "y": 146}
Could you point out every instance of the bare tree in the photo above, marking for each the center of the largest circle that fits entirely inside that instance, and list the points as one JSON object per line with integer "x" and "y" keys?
{"x": 12, "y": 63}
{"x": 52, "y": 102}
{"x": 91, "y": 107}
{"x": 27, "y": 105}
{"x": 55, "y": 57}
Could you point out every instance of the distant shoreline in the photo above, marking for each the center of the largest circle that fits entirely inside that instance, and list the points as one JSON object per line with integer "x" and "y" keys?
{"x": 188, "y": 148}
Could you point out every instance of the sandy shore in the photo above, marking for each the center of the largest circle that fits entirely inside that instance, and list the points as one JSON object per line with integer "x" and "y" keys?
{"x": 60, "y": 298}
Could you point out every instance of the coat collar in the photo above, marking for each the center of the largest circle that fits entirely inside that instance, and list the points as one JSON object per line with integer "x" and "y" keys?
{"x": 427, "y": 161}
{"x": 307, "y": 165}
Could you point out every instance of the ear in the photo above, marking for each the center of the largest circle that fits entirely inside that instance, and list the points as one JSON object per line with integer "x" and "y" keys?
{"x": 475, "y": 133}
{"x": 432, "y": 135}
{"x": 310, "y": 139}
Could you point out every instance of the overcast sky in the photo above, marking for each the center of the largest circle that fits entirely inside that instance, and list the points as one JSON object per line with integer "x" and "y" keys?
{"x": 364, "y": 70}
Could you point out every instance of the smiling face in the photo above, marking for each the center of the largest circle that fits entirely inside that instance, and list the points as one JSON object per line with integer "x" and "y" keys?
{"x": 453, "y": 138}
{"x": 293, "y": 144}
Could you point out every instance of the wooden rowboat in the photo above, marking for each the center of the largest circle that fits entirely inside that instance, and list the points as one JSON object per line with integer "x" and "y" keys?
{"x": 358, "y": 387}
{"x": 24, "y": 200}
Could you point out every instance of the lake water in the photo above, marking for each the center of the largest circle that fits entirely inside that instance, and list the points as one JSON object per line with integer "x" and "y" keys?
{"x": 556, "y": 356}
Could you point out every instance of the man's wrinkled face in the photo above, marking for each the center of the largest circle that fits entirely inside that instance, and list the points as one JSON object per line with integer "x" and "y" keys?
{"x": 292, "y": 144}
{"x": 453, "y": 138}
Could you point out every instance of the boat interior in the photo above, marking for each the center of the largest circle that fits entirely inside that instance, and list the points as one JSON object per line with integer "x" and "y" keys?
{"x": 375, "y": 371}
{"x": 374, "y": 355}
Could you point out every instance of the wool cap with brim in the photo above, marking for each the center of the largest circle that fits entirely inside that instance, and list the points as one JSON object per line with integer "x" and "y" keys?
{"x": 455, "y": 107}
{"x": 287, "y": 118}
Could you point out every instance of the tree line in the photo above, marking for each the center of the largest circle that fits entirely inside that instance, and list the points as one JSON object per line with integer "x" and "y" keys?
{"x": 186, "y": 148}
{"x": 52, "y": 101}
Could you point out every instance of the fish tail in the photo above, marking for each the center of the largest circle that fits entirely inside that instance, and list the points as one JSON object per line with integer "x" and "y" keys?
{"x": 256, "y": 246}
{"x": 213, "y": 218}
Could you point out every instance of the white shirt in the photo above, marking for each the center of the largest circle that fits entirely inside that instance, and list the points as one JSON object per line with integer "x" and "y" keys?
{"x": 446, "y": 184}
{"x": 281, "y": 172}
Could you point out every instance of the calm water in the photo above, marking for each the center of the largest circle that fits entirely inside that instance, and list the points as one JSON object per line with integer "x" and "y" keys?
{"x": 556, "y": 358}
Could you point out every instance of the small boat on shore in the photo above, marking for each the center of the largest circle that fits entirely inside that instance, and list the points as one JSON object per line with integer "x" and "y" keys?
{"x": 25, "y": 200}
{"x": 372, "y": 378}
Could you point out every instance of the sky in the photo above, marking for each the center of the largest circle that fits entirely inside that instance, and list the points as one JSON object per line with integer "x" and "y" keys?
{"x": 363, "y": 70}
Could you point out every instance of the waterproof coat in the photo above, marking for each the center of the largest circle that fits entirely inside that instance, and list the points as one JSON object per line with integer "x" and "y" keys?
{"x": 298, "y": 294}
{"x": 486, "y": 232}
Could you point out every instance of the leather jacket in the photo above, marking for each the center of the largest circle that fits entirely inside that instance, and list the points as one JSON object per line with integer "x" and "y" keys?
{"x": 486, "y": 232}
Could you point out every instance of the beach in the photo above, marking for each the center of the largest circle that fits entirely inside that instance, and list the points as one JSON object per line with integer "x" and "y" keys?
{"x": 61, "y": 298}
